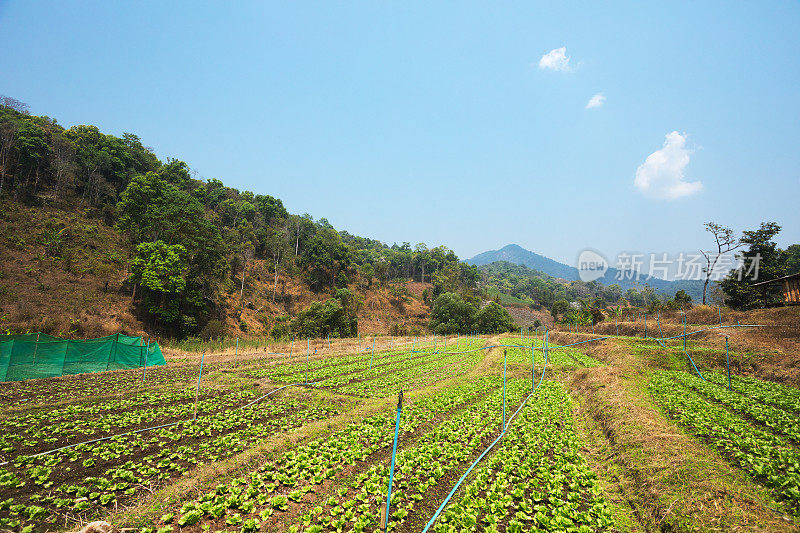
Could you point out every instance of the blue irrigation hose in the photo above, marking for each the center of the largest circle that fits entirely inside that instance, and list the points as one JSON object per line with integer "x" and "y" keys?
{"x": 728, "y": 361}
{"x": 546, "y": 349}
{"x": 478, "y": 460}
{"x": 394, "y": 454}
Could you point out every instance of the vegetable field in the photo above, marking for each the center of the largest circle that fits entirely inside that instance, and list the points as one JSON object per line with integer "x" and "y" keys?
{"x": 305, "y": 441}
{"x": 755, "y": 425}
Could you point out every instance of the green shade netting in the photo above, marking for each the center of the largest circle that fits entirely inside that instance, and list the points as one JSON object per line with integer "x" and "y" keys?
{"x": 38, "y": 355}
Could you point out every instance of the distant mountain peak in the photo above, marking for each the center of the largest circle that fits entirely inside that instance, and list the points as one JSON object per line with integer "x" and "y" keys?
{"x": 514, "y": 253}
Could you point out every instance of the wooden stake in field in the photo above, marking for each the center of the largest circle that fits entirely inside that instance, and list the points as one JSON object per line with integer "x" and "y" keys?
{"x": 645, "y": 325}
{"x": 197, "y": 390}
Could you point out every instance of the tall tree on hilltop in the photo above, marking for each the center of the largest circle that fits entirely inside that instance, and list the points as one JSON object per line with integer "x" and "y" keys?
{"x": 762, "y": 260}
{"x": 725, "y": 242}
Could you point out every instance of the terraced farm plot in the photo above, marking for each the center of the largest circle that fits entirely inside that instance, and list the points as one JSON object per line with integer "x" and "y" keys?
{"x": 519, "y": 352}
{"x": 339, "y": 483}
{"x": 87, "y": 480}
{"x": 383, "y": 374}
{"x": 536, "y": 479}
{"x": 22, "y": 394}
{"x": 754, "y": 426}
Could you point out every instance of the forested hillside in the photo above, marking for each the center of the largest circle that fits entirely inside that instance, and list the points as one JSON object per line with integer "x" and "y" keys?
{"x": 98, "y": 224}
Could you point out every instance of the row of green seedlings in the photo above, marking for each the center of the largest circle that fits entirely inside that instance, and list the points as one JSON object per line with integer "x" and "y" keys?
{"x": 47, "y": 429}
{"x": 293, "y": 492}
{"x": 367, "y": 378}
{"x": 402, "y": 361}
{"x": 765, "y": 450}
{"x": 778, "y": 419}
{"x": 556, "y": 357}
{"x": 323, "y": 367}
{"x": 95, "y": 476}
{"x": 411, "y": 375}
{"x": 41, "y": 392}
{"x": 536, "y": 480}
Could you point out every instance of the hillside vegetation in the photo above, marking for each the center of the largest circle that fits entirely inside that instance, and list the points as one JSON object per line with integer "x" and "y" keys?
{"x": 102, "y": 236}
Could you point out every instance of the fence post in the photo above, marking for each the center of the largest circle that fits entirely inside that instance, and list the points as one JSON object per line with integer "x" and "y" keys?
{"x": 684, "y": 332}
{"x": 197, "y": 390}
{"x": 146, "y": 353}
{"x": 36, "y": 348}
{"x": 113, "y": 355}
{"x": 372, "y": 357}
{"x": 533, "y": 368}
{"x": 728, "y": 361}
{"x": 505, "y": 353}
{"x": 385, "y": 517}
{"x": 308, "y": 352}
{"x": 645, "y": 325}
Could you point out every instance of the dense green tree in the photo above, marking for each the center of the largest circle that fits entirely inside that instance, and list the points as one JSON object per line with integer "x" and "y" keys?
{"x": 793, "y": 259}
{"x": 682, "y": 300}
{"x": 559, "y": 308}
{"x": 494, "y": 318}
{"x": 761, "y": 261}
{"x": 324, "y": 256}
{"x": 151, "y": 209}
{"x": 271, "y": 209}
{"x": 160, "y": 270}
{"x": 336, "y": 317}
{"x": 452, "y": 314}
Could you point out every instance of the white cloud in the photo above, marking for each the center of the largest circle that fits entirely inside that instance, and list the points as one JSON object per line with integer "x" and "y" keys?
{"x": 555, "y": 59}
{"x": 661, "y": 174}
{"x": 596, "y": 101}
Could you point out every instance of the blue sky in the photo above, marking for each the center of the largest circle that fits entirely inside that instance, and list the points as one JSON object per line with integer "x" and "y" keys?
{"x": 439, "y": 122}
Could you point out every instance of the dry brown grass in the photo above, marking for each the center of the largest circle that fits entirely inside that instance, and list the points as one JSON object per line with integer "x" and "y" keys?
{"x": 672, "y": 482}
{"x": 86, "y": 296}
{"x": 773, "y": 352}
{"x": 80, "y": 297}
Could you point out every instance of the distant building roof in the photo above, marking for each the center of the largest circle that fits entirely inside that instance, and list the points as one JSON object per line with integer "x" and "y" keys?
{"x": 790, "y": 276}
{"x": 790, "y": 286}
